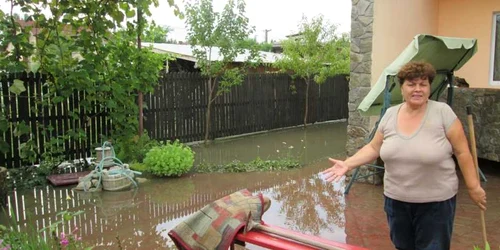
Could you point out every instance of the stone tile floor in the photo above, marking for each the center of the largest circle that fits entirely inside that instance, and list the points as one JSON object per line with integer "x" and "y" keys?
{"x": 367, "y": 225}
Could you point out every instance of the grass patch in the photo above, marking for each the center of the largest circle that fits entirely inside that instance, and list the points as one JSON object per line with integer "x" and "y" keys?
{"x": 252, "y": 166}
{"x": 141, "y": 167}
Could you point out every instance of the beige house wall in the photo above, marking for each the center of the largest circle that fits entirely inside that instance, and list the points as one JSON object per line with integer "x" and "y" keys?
{"x": 395, "y": 23}
{"x": 474, "y": 19}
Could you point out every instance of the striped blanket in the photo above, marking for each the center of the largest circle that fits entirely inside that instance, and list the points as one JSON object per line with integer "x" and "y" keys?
{"x": 216, "y": 225}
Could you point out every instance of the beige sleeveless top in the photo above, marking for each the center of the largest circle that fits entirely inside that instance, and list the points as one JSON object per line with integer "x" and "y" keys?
{"x": 419, "y": 167}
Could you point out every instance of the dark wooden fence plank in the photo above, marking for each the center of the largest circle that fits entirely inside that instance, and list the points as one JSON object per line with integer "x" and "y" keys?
{"x": 6, "y": 158}
{"x": 82, "y": 143}
{"x": 32, "y": 107}
{"x": 15, "y": 117}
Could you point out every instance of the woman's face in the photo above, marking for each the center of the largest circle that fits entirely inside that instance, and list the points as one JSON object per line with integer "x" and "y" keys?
{"x": 416, "y": 92}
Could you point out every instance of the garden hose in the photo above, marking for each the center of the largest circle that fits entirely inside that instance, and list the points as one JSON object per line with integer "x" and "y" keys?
{"x": 99, "y": 168}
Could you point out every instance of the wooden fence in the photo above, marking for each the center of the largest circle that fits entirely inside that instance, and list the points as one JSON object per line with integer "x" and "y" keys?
{"x": 176, "y": 110}
{"x": 27, "y": 107}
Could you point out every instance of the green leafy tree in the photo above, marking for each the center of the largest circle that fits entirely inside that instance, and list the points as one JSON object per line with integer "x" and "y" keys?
{"x": 316, "y": 54}
{"x": 250, "y": 43}
{"x": 75, "y": 46}
{"x": 156, "y": 34}
{"x": 217, "y": 38}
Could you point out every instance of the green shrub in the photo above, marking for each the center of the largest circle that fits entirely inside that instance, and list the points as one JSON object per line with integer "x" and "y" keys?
{"x": 171, "y": 159}
{"x": 134, "y": 149}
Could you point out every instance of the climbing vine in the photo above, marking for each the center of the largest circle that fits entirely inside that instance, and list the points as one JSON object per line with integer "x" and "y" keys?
{"x": 87, "y": 46}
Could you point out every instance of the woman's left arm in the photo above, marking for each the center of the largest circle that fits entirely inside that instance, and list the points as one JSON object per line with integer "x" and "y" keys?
{"x": 456, "y": 136}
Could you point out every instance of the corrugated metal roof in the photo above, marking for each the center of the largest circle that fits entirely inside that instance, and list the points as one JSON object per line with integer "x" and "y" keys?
{"x": 185, "y": 52}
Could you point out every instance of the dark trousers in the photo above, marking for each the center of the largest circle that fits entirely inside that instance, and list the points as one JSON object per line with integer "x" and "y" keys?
{"x": 420, "y": 226}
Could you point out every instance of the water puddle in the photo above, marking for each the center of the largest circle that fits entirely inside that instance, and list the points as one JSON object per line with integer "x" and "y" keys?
{"x": 141, "y": 218}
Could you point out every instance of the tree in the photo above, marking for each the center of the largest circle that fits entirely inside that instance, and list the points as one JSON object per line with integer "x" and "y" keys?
{"x": 75, "y": 46}
{"x": 156, "y": 34}
{"x": 250, "y": 43}
{"x": 216, "y": 40}
{"x": 315, "y": 55}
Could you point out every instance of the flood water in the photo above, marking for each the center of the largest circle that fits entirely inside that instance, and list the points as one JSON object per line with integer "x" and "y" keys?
{"x": 141, "y": 218}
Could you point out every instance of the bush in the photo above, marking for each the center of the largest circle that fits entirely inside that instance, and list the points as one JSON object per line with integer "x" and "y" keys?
{"x": 134, "y": 149}
{"x": 172, "y": 159}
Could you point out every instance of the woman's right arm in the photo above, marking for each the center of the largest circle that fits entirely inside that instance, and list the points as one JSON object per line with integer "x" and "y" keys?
{"x": 366, "y": 154}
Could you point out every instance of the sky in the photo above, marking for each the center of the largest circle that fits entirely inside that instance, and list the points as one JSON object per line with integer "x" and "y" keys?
{"x": 281, "y": 17}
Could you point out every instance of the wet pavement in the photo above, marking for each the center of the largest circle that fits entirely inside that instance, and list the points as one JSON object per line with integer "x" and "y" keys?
{"x": 301, "y": 201}
{"x": 367, "y": 225}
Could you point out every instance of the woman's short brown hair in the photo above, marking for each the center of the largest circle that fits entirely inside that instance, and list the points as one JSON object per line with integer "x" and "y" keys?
{"x": 414, "y": 70}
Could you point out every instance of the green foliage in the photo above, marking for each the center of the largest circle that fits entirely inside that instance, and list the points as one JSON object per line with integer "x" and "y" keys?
{"x": 134, "y": 149}
{"x": 141, "y": 167}
{"x": 171, "y": 159}
{"x": 155, "y": 34}
{"x": 217, "y": 38}
{"x": 11, "y": 238}
{"x": 252, "y": 166}
{"x": 316, "y": 54}
{"x": 76, "y": 47}
{"x": 210, "y": 32}
{"x": 30, "y": 176}
{"x": 487, "y": 247}
{"x": 253, "y": 44}
{"x": 26, "y": 178}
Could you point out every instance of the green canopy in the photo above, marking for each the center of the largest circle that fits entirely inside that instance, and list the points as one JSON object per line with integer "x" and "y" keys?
{"x": 446, "y": 54}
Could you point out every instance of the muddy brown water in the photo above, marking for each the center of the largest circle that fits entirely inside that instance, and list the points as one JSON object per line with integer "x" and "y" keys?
{"x": 141, "y": 218}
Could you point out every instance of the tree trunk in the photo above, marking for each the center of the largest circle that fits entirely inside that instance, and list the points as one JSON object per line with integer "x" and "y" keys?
{"x": 140, "y": 100}
{"x": 307, "y": 103}
{"x": 140, "y": 97}
{"x": 209, "y": 108}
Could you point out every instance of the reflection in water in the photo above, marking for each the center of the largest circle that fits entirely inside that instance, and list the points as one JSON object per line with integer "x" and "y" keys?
{"x": 141, "y": 219}
{"x": 310, "y": 205}
{"x": 169, "y": 190}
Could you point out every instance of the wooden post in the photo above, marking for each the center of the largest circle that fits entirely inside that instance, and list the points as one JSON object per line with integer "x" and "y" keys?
{"x": 474, "y": 156}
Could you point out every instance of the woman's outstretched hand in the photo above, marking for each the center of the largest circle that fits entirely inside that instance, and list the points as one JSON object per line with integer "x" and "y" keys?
{"x": 336, "y": 172}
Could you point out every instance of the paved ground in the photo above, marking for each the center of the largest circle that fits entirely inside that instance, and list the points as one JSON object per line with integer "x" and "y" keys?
{"x": 367, "y": 225}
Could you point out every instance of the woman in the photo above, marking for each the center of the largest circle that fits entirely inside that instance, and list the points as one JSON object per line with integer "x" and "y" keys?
{"x": 416, "y": 140}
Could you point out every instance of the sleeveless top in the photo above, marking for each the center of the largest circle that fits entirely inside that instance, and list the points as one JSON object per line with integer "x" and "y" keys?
{"x": 419, "y": 167}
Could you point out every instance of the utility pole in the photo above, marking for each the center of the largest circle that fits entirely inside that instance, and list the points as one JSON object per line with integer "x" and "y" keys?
{"x": 266, "y": 31}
